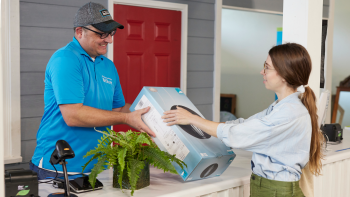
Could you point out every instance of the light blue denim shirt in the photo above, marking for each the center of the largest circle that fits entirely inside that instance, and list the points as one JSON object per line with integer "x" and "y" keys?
{"x": 279, "y": 138}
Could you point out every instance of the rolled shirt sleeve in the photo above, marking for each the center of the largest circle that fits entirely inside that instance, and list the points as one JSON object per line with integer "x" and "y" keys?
{"x": 223, "y": 130}
{"x": 252, "y": 135}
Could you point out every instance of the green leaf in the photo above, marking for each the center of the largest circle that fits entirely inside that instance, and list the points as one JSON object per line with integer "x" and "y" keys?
{"x": 98, "y": 168}
{"x": 158, "y": 159}
{"x": 121, "y": 157}
{"x": 142, "y": 139}
{"x": 121, "y": 161}
{"x": 120, "y": 178}
{"x": 92, "y": 158}
{"x": 23, "y": 192}
{"x": 134, "y": 169}
{"x": 176, "y": 160}
{"x": 91, "y": 152}
{"x": 129, "y": 135}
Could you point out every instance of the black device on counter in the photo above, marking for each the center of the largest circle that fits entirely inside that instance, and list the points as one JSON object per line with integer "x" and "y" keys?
{"x": 20, "y": 182}
{"x": 77, "y": 185}
{"x": 62, "y": 152}
{"x": 333, "y": 132}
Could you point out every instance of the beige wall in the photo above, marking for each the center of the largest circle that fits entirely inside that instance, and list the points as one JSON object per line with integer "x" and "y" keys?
{"x": 341, "y": 53}
{"x": 246, "y": 40}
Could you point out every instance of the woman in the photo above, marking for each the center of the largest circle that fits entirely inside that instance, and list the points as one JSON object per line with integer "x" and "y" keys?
{"x": 285, "y": 136}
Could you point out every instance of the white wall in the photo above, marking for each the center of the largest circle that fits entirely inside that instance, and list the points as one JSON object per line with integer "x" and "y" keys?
{"x": 2, "y": 181}
{"x": 341, "y": 53}
{"x": 246, "y": 40}
{"x": 341, "y": 42}
{"x": 344, "y": 102}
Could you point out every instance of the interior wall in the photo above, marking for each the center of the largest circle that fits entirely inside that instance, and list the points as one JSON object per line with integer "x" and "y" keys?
{"x": 246, "y": 40}
{"x": 341, "y": 53}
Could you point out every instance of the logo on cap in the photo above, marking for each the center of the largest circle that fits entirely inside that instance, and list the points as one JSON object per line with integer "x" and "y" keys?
{"x": 104, "y": 13}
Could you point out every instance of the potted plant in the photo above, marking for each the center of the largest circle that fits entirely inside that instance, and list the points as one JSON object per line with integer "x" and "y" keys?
{"x": 130, "y": 154}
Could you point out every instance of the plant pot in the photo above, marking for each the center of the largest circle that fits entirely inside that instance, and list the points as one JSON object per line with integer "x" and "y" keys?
{"x": 143, "y": 181}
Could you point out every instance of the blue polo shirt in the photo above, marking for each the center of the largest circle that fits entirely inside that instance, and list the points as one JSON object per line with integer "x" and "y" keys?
{"x": 73, "y": 77}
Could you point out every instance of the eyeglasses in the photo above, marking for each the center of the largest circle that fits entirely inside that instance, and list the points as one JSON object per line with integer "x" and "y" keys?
{"x": 102, "y": 35}
{"x": 266, "y": 68}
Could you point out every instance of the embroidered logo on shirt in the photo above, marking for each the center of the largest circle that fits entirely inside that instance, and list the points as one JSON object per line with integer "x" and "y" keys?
{"x": 107, "y": 80}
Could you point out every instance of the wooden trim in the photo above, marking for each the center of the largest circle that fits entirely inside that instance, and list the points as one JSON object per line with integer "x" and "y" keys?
{"x": 2, "y": 130}
{"x": 252, "y": 10}
{"x": 217, "y": 62}
{"x": 341, "y": 110}
{"x": 329, "y": 57}
{"x": 10, "y": 51}
{"x": 166, "y": 6}
{"x": 336, "y": 102}
{"x": 335, "y": 108}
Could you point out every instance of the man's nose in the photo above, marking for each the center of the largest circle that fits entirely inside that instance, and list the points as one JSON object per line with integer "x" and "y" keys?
{"x": 109, "y": 39}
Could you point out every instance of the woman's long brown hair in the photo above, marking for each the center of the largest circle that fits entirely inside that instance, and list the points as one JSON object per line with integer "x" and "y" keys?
{"x": 293, "y": 63}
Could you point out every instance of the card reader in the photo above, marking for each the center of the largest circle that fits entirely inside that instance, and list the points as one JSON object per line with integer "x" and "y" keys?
{"x": 77, "y": 185}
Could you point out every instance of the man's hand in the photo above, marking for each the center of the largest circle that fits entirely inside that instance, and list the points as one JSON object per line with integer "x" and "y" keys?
{"x": 134, "y": 120}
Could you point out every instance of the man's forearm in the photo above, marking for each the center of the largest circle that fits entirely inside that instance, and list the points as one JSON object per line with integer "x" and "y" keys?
{"x": 124, "y": 109}
{"x": 85, "y": 116}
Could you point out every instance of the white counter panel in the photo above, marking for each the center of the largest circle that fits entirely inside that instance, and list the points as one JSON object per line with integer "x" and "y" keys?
{"x": 335, "y": 179}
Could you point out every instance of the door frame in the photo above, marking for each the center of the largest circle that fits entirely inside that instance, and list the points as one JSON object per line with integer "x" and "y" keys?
{"x": 165, "y": 6}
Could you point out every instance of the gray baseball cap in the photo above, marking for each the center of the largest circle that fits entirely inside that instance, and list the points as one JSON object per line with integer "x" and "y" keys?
{"x": 96, "y": 15}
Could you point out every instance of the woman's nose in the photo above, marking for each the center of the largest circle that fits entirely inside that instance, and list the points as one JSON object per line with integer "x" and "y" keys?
{"x": 262, "y": 72}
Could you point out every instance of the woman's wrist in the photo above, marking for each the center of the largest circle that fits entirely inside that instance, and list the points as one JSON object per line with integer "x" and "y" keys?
{"x": 194, "y": 120}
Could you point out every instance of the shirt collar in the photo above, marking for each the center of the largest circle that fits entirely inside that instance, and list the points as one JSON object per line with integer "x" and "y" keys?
{"x": 289, "y": 98}
{"x": 83, "y": 52}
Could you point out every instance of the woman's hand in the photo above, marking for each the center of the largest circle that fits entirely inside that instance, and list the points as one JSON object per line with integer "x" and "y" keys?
{"x": 178, "y": 116}
{"x": 183, "y": 117}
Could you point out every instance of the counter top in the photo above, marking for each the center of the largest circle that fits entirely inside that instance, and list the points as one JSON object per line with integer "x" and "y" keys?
{"x": 338, "y": 151}
{"x": 167, "y": 184}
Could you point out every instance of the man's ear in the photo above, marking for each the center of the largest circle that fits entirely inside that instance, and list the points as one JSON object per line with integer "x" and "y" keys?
{"x": 79, "y": 32}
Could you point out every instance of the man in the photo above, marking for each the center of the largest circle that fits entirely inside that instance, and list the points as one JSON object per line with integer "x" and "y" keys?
{"x": 82, "y": 91}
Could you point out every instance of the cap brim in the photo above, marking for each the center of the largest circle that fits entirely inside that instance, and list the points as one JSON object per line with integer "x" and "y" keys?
{"x": 108, "y": 26}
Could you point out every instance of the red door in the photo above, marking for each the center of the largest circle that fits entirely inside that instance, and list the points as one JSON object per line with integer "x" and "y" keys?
{"x": 147, "y": 51}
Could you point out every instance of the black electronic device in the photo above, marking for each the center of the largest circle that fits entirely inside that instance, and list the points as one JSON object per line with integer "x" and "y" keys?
{"x": 62, "y": 152}
{"x": 209, "y": 170}
{"x": 333, "y": 132}
{"x": 77, "y": 185}
{"x": 191, "y": 129}
{"x": 20, "y": 182}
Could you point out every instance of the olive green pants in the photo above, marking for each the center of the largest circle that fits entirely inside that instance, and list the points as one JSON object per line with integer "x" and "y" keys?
{"x": 262, "y": 187}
